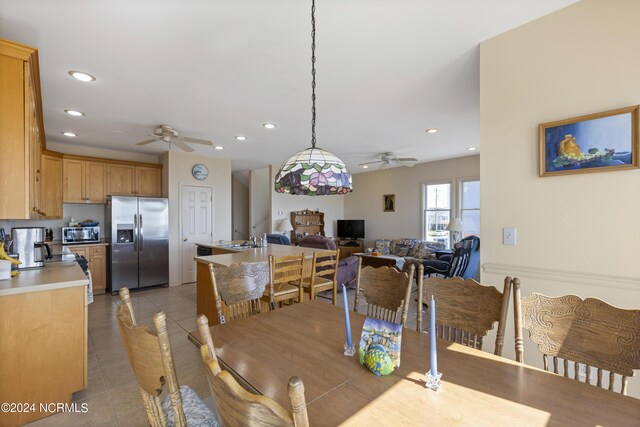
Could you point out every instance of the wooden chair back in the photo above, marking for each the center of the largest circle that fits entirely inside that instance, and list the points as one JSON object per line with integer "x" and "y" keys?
{"x": 150, "y": 356}
{"x": 285, "y": 271}
{"x": 324, "y": 269}
{"x": 586, "y": 332}
{"x": 466, "y": 310}
{"x": 235, "y": 405}
{"x": 237, "y": 289}
{"x": 386, "y": 291}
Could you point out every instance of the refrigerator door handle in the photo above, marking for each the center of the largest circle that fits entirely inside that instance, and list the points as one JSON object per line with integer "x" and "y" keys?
{"x": 135, "y": 232}
{"x": 141, "y": 239}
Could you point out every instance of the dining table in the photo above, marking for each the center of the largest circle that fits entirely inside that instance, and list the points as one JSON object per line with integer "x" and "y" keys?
{"x": 478, "y": 388}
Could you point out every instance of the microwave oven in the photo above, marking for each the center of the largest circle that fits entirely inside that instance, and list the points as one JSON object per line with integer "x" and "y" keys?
{"x": 77, "y": 235}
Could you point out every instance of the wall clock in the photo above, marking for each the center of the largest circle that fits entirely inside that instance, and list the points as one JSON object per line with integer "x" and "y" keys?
{"x": 200, "y": 172}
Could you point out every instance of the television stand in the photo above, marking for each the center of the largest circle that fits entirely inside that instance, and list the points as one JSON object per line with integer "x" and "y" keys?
{"x": 349, "y": 247}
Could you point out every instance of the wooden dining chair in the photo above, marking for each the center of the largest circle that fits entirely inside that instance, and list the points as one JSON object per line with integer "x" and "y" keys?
{"x": 238, "y": 289}
{"x": 386, "y": 291}
{"x": 324, "y": 273}
{"x": 466, "y": 310}
{"x": 285, "y": 280}
{"x": 235, "y": 405}
{"x": 586, "y": 332}
{"x": 150, "y": 356}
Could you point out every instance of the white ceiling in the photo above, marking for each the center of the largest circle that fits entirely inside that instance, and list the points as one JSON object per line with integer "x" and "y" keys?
{"x": 386, "y": 71}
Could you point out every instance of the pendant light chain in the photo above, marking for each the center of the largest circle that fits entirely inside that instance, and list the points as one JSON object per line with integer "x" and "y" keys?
{"x": 313, "y": 73}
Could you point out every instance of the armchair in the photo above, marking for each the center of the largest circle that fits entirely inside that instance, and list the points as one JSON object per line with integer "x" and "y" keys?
{"x": 463, "y": 263}
{"x": 347, "y": 267}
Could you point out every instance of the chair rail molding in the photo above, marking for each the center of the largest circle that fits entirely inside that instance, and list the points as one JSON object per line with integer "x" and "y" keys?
{"x": 589, "y": 279}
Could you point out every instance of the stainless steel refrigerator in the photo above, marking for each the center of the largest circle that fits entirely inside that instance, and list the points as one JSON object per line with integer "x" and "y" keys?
{"x": 137, "y": 230}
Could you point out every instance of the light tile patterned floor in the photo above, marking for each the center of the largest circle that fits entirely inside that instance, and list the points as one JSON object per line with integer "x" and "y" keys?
{"x": 112, "y": 396}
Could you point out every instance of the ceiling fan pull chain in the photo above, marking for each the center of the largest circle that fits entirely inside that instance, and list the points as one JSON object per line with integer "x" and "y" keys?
{"x": 313, "y": 73}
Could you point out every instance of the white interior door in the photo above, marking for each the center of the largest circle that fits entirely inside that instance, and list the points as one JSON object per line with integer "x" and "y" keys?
{"x": 196, "y": 226}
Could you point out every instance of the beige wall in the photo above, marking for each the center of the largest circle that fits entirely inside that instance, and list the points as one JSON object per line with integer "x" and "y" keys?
{"x": 240, "y": 204}
{"x": 406, "y": 183}
{"x": 178, "y": 168}
{"x": 576, "y": 234}
{"x": 332, "y": 206}
{"x": 259, "y": 202}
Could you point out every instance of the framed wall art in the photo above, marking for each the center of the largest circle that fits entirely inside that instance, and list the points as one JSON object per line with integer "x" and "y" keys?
{"x": 594, "y": 143}
{"x": 389, "y": 202}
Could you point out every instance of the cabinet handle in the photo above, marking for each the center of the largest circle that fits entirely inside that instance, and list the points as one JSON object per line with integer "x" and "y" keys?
{"x": 38, "y": 175}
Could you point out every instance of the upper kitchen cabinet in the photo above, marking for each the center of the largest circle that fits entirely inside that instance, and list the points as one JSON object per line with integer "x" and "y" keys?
{"x": 21, "y": 132}
{"x": 134, "y": 180}
{"x": 51, "y": 185}
{"x": 85, "y": 181}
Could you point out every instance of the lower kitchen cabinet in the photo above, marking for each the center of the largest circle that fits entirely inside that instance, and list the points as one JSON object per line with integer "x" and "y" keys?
{"x": 97, "y": 257}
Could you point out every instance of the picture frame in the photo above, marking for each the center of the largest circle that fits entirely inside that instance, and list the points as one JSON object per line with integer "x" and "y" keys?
{"x": 389, "y": 203}
{"x": 597, "y": 142}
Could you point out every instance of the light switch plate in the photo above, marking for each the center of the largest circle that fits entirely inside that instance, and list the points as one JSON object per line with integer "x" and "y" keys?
{"x": 509, "y": 236}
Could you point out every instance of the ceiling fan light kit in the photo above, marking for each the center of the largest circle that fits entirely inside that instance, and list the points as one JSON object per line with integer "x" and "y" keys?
{"x": 314, "y": 171}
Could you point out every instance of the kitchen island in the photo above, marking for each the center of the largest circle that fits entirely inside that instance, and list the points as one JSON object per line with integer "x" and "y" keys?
{"x": 234, "y": 255}
{"x": 43, "y": 340}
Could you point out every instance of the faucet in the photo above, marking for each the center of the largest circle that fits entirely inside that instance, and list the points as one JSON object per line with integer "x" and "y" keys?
{"x": 253, "y": 239}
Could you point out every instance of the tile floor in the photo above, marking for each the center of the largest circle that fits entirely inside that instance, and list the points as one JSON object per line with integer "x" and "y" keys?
{"x": 112, "y": 396}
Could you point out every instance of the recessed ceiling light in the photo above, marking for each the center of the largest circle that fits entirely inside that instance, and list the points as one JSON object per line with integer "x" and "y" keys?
{"x": 432, "y": 130}
{"x": 218, "y": 147}
{"x": 82, "y": 76}
{"x": 365, "y": 167}
{"x": 472, "y": 148}
{"x": 241, "y": 138}
{"x": 74, "y": 113}
{"x": 269, "y": 125}
{"x": 70, "y": 134}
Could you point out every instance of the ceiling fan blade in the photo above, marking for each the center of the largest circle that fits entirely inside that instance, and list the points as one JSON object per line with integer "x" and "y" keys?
{"x": 197, "y": 141}
{"x": 148, "y": 141}
{"x": 371, "y": 163}
{"x": 407, "y": 159}
{"x": 182, "y": 145}
{"x": 407, "y": 164}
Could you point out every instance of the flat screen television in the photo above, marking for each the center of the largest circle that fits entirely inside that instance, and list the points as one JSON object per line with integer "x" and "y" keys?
{"x": 351, "y": 228}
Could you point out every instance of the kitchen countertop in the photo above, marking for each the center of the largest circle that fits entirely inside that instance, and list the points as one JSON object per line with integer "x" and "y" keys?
{"x": 253, "y": 254}
{"x": 56, "y": 275}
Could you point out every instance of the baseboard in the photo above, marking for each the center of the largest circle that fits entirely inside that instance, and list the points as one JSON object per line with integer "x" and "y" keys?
{"x": 588, "y": 279}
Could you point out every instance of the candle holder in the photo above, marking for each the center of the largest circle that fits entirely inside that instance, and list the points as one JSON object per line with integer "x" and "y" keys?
{"x": 433, "y": 381}
{"x": 349, "y": 350}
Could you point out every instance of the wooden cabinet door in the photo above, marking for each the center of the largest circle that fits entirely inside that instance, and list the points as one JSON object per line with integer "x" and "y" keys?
{"x": 95, "y": 184}
{"x": 51, "y": 196}
{"x": 148, "y": 181}
{"x": 121, "y": 180}
{"x": 73, "y": 183}
{"x": 97, "y": 266}
{"x": 80, "y": 250}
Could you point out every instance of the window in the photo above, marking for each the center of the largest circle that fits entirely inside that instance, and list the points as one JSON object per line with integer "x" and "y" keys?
{"x": 470, "y": 207}
{"x": 443, "y": 201}
{"x": 437, "y": 212}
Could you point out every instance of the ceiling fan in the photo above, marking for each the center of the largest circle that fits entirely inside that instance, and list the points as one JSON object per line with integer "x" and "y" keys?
{"x": 168, "y": 134}
{"x": 389, "y": 159}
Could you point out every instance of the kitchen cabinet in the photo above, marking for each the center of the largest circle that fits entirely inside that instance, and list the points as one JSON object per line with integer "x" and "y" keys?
{"x": 21, "y": 132}
{"x": 85, "y": 181}
{"x": 96, "y": 255}
{"x": 43, "y": 325}
{"x": 132, "y": 180}
{"x": 51, "y": 185}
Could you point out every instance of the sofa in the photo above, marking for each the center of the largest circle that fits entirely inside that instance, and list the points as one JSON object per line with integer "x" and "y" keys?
{"x": 408, "y": 251}
{"x": 347, "y": 267}
{"x": 278, "y": 239}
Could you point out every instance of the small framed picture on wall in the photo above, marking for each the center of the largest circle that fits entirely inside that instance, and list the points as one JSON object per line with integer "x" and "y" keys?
{"x": 389, "y": 202}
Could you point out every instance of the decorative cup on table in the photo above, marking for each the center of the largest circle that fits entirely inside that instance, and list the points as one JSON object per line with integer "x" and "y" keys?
{"x": 369, "y": 250}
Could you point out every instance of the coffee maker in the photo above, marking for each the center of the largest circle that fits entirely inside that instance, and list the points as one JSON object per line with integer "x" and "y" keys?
{"x": 28, "y": 243}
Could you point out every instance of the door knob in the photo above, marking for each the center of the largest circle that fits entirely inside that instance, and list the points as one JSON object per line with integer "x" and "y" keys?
{"x": 185, "y": 239}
